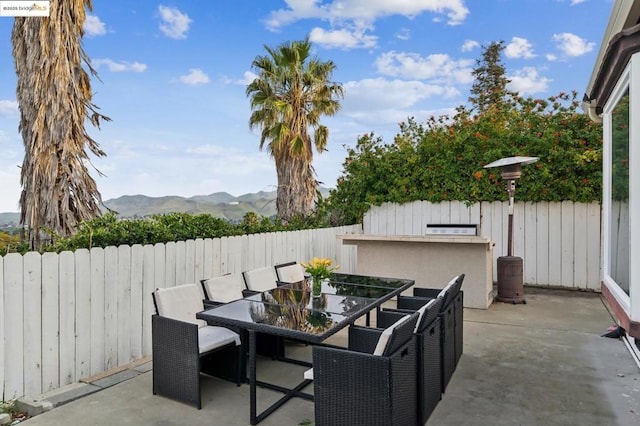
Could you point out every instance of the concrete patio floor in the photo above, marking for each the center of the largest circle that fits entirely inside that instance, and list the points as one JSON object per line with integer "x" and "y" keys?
{"x": 539, "y": 363}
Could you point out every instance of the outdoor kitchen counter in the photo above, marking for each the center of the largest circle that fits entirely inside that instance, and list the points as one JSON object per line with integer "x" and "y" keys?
{"x": 429, "y": 260}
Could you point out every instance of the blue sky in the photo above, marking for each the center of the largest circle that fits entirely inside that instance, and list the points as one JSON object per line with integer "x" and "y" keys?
{"x": 174, "y": 76}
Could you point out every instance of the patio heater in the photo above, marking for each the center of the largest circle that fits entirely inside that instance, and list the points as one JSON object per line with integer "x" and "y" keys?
{"x": 510, "y": 270}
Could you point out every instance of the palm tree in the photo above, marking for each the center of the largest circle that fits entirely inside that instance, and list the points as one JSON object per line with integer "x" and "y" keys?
{"x": 54, "y": 96}
{"x": 290, "y": 94}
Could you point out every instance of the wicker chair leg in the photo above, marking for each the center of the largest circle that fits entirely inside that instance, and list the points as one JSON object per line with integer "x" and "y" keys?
{"x": 176, "y": 360}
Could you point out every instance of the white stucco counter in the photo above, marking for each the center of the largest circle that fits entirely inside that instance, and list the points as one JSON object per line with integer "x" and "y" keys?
{"x": 429, "y": 260}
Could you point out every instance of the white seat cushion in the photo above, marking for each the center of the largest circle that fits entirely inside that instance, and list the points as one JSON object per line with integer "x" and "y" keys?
{"x": 211, "y": 337}
{"x": 260, "y": 279}
{"x": 308, "y": 374}
{"x": 224, "y": 289}
{"x": 181, "y": 303}
{"x": 386, "y": 334}
{"x": 290, "y": 273}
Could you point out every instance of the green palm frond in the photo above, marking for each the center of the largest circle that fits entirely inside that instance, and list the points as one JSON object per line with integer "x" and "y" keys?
{"x": 290, "y": 94}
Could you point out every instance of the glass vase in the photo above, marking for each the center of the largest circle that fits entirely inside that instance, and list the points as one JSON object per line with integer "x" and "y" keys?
{"x": 316, "y": 288}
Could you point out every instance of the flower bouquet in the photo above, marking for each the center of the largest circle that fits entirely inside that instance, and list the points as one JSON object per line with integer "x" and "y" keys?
{"x": 319, "y": 269}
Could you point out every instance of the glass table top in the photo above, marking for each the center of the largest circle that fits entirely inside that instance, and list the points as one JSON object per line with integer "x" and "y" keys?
{"x": 356, "y": 285}
{"x": 299, "y": 295}
{"x": 291, "y": 309}
{"x": 296, "y": 318}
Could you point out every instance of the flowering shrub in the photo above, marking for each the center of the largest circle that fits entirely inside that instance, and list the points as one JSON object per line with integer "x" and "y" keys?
{"x": 443, "y": 158}
{"x": 320, "y": 268}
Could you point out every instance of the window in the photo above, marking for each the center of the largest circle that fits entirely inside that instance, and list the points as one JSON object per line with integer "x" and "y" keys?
{"x": 618, "y": 193}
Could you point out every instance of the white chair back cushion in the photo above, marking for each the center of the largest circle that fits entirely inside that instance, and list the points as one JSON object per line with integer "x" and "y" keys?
{"x": 224, "y": 289}
{"x": 448, "y": 287}
{"x": 290, "y": 273}
{"x": 211, "y": 337}
{"x": 386, "y": 334}
{"x": 422, "y": 312}
{"x": 260, "y": 279}
{"x": 180, "y": 303}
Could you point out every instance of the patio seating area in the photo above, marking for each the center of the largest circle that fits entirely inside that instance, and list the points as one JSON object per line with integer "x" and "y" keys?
{"x": 540, "y": 363}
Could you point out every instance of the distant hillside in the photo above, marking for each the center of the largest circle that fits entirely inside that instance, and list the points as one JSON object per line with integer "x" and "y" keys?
{"x": 219, "y": 204}
{"x": 9, "y": 219}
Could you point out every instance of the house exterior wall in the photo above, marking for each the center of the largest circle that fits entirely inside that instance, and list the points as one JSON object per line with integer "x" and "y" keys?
{"x": 616, "y": 79}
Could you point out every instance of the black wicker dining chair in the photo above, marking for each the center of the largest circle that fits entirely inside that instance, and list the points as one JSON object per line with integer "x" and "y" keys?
{"x": 223, "y": 289}
{"x": 227, "y": 288}
{"x": 184, "y": 347}
{"x": 259, "y": 279}
{"x": 372, "y": 381}
{"x": 289, "y": 272}
{"x": 450, "y": 342}
{"x": 456, "y": 299}
{"x": 428, "y": 356}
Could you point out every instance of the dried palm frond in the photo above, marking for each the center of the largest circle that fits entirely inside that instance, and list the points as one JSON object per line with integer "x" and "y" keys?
{"x": 54, "y": 97}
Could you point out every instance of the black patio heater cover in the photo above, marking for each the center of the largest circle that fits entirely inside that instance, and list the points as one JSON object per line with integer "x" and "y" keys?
{"x": 510, "y": 268}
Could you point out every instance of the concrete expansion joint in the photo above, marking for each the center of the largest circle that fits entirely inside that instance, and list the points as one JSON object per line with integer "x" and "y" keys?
{"x": 35, "y": 405}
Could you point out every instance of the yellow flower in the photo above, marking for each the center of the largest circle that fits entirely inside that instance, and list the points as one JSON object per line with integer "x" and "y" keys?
{"x": 319, "y": 268}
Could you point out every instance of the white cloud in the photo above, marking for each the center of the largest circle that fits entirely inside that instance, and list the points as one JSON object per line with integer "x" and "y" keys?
{"x": 439, "y": 67}
{"x": 202, "y": 168}
{"x": 527, "y": 81}
{"x": 246, "y": 79}
{"x": 469, "y": 45}
{"x": 337, "y": 11}
{"x": 93, "y": 26}
{"x": 208, "y": 149}
{"x": 175, "y": 24}
{"x": 344, "y": 39}
{"x": 123, "y": 66}
{"x": 403, "y": 34}
{"x": 196, "y": 76}
{"x": 519, "y": 48}
{"x": 381, "y": 104}
{"x": 10, "y": 178}
{"x": 551, "y": 57}
{"x": 572, "y": 45}
{"x": 383, "y": 94}
{"x": 8, "y": 108}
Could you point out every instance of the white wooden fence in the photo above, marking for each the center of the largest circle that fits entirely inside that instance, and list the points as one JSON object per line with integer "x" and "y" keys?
{"x": 558, "y": 241}
{"x": 71, "y": 315}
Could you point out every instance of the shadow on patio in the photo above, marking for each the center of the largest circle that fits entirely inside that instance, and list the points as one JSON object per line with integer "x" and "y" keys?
{"x": 541, "y": 363}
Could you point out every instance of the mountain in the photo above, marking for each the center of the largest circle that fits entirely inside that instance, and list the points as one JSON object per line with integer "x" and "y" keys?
{"x": 219, "y": 204}
{"x": 9, "y": 219}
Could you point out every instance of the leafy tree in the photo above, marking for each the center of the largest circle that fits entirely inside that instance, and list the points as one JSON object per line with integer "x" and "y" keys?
{"x": 54, "y": 97}
{"x": 443, "y": 159}
{"x": 490, "y": 81}
{"x": 292, "y": 91}
{"x": 8, "y": 242}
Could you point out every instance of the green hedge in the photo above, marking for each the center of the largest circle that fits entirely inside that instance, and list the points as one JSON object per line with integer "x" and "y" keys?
{"x": 444, "y": 158}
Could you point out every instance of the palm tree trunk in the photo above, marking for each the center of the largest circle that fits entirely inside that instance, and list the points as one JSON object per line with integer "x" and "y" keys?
{"x": 54, "y": 96}
{"x": 297, "y": 187}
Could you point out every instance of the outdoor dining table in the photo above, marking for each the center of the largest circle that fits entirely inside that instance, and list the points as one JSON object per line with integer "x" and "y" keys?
{"x": 291, "y": 311}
